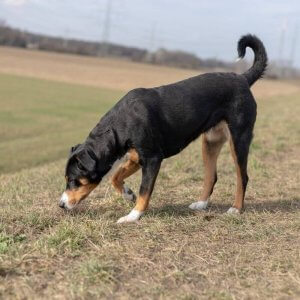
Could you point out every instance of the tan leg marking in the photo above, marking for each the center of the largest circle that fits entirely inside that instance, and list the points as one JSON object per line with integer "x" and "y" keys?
{"x": 134, "y": 156}
{"x": 212, "y": 143}
{"x": 240, "y": 193}
{"x": 149, "y": 173}
{"x": 142, "y": 202}
{"x": 210, "y": 153}
{"x": 125, "y": 170}
{"x": 135, "y": 214}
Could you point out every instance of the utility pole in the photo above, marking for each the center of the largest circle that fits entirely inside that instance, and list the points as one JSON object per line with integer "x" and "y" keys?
{"x": 152, "y": 38}
{"x": 294, "y": 45}
{"x": 281, "y": 47}
{"x": 66, "y": 39}
{"x": 106, "y": 27}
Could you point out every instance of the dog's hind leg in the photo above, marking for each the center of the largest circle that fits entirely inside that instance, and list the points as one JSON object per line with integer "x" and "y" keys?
{"x": 241, "y": 128}
{"x": 212, "y": 142}
{"x": 239, "y": 146}
{"x": 126, "y": 169}
{"x": 150, "y": 170}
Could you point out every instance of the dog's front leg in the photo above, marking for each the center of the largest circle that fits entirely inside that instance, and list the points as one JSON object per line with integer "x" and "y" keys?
{"x": 125, "y": 170}
{"x": 150, "y": 170}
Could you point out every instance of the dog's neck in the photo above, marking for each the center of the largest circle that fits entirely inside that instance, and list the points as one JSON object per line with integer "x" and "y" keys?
{"x": 104, "y": 144}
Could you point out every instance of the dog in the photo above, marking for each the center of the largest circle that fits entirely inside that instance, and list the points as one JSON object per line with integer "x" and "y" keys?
{"x": 151, "y": 124}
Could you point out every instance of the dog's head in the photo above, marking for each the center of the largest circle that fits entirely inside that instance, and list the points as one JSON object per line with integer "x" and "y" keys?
{"x": 82, "y": 176}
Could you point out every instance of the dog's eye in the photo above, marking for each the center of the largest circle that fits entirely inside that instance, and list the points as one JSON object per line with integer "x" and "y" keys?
{"x": 77, "y": 182}
{"x": 80, "y": 166}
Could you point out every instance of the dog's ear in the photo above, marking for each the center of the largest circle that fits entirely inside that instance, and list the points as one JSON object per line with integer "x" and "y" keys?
{"x": 86, "y": 160}
{"x": 74, "y": 148}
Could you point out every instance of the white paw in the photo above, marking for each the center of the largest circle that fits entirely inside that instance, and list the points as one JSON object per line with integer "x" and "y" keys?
{"x": 133, "y": 216}
{"x": 233, "y": 211}
{"x": 199, "y": 205}
{"x": 128, "y": 194}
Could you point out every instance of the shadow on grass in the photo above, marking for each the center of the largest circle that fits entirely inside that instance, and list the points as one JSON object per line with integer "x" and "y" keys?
{"x": 182, "y": 210}
{"x": 271, "y": 206}
{"x": 172, "y": 210}
{"x": 285, "y": 205}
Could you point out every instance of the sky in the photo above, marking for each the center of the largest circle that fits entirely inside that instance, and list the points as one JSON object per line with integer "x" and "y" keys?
{"x": 209, "y": 29}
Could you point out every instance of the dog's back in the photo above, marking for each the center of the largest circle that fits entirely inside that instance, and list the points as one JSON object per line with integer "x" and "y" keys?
{"x": 173, "y": 115}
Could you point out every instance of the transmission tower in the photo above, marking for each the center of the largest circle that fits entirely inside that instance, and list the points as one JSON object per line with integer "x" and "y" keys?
{"x": 106, "y": 28}
{"x": 294, "y": 45}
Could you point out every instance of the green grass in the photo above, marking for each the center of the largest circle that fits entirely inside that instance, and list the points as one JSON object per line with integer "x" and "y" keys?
{"x": 40, "y": 120}
{"x": 172, "y": 253}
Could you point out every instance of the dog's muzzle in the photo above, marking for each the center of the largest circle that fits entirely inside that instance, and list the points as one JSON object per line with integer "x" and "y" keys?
{"x": 63, "y": 202}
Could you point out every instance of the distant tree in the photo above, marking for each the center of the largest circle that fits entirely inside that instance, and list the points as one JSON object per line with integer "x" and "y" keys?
{"x": 17, "y": 38}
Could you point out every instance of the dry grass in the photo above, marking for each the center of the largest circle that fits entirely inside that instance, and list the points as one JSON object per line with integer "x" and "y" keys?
{"x": 101, "y": 72}
{"x": 172, "y": 252}
{"x": 109, "y": 73}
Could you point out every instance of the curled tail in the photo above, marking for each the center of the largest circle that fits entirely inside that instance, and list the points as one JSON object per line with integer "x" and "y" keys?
{"x": 260, "y": 57}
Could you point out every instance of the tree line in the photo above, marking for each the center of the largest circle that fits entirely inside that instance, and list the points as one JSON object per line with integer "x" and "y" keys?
{"x": 17, "y": 38}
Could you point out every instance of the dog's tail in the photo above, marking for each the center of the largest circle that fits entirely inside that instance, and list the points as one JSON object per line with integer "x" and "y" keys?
{"x": 260, "y": 56}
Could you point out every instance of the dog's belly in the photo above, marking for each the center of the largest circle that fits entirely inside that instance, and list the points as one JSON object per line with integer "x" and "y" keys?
{"x": 173, "y": 146}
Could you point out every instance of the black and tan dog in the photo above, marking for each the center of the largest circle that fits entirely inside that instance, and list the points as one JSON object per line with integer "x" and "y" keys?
{"x": 149, "y": 125}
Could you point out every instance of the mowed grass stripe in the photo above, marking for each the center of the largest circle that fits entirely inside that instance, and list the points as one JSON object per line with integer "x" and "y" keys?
{"x": 40, "y": 119}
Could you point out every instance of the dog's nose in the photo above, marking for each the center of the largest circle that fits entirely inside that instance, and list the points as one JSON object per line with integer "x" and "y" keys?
{"x": 63, "y": 200}
{"x": 61, "y": 204}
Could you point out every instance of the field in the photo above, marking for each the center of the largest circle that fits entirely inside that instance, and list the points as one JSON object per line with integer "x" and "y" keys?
{"x": 172, "y": 253}
{"x": 44, "y": 118}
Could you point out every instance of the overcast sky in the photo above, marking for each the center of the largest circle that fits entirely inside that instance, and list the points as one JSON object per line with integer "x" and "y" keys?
{"x": 207, "y": 28}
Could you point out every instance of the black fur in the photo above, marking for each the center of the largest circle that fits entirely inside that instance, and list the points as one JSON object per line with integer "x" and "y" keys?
{"x": 260, "y": 57}
{"x": 159, "y": 122}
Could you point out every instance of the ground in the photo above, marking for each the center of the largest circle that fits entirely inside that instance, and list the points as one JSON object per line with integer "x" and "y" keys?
{"x": 172, "y": 252}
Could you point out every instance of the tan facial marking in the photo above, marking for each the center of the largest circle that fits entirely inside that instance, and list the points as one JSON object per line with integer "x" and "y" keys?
{"x": 84, "y": 181}
{"x": 77, "y": 194}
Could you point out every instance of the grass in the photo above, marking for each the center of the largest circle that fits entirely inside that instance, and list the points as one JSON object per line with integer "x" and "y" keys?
{"x": 172, "y": 252}
{"x": 44, "y": 118}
